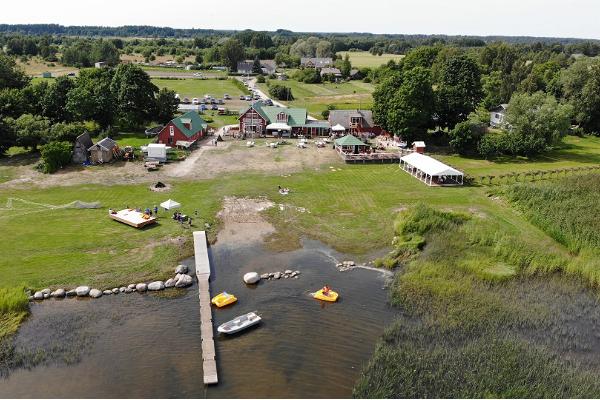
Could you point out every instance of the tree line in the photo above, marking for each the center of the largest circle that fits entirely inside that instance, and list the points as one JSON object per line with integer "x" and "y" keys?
{"x": 444, "y": 94}
{"x": 98, "y": 100}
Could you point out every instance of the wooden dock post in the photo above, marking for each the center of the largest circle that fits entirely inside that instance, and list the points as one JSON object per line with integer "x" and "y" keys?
{"x": 209, "y": 363}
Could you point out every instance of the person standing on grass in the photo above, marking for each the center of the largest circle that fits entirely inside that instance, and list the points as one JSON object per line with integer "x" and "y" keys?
{"x": 156, "y": 210}
{"x": 190, "y": 222}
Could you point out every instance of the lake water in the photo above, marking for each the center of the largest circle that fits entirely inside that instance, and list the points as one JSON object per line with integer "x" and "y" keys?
{"x": 141, "y": 345}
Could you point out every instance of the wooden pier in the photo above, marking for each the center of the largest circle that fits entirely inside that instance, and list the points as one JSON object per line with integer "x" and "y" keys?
{"x": 209, "y": 363}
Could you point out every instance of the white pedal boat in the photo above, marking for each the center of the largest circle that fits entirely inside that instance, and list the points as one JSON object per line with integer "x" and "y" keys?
{"x": 239, "y": 323}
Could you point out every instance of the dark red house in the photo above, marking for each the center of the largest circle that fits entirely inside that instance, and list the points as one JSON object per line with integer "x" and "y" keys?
{"x": 186, "y": 128}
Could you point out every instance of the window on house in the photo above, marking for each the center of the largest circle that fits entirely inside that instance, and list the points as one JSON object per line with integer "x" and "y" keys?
{"x": 282, "y": 117}
{"x": 170, "y": 140}
{"x": 355, "y": 120}
{"x": 171, "y": 131}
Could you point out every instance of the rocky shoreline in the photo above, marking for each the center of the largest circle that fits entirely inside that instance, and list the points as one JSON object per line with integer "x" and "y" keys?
{"x": 180, "y": 280}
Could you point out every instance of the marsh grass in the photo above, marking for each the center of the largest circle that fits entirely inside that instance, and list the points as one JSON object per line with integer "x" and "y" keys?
{"x": 484, "y": 314}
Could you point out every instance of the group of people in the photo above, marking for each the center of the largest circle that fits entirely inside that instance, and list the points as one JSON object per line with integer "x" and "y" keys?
{"x": 179, "y": 217}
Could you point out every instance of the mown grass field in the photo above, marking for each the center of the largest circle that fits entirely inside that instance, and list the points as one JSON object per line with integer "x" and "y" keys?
{"x": 575, "y": 151}
{"x": 316, "y": 97}
{"x": 361, "y": 59}
{"x": 199, "y": 87}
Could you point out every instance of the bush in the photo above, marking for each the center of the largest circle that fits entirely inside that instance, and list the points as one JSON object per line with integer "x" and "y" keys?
{"x": 281, "y": 92}
{"x": 260, "y": 79}
{"x": 55, "y": 155}
{"x": 307, "y": 75}
{"x": 465, "y": 136}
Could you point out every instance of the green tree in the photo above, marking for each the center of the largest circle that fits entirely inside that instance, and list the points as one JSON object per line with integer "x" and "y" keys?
{"x": 65, "y": 132}
{"x": 55, "y": 155}
{"x": 134, "y": 93}
{"x": 459, "y": 91}
{"x": 412, "y": 105}
{"x": 281, "y": 92}
{"x": 492, "y": 90}
{"x": 11, "y": 76}
{"x": 166, "y": 105}
{"x": 7, "y": 136}
{"x": 13, "y": 103}
{"x": 231, "y": 53}
{"x": 256, "y": 68}
{"x": 420, "y": 57}
{"x": 346, "y": 66}
{"x": 466, "y": 135}
{"x": 92, "y": 98}
{"x": 581, "y": 87}
{"x": 30, "y": 130}
{"x": 54, "y": 101}
{"x": 106, "y": 51}
{"x": 382, "y": 97}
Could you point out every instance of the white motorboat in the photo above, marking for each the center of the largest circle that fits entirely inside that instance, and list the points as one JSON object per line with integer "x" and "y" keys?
{"x": 240, "y": 323}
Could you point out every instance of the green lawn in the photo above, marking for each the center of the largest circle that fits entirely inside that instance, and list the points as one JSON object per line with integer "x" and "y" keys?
{"x": 361, "y": 59}
{"x": 316, "y": 97}
{"x": 199, "y": 87}
{"x": 133, "y": 139}
{"x": 575, "y": 151}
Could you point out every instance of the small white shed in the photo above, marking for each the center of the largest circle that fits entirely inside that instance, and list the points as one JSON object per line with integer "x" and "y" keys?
{"x": 157, "y": 151}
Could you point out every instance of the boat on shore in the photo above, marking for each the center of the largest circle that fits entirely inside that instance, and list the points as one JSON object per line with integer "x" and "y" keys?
{"x": 240, "y": 323}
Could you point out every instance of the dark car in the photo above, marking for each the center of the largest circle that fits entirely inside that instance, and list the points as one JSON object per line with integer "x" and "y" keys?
{"x": 220, "y": 101}
{"x": 214, "y": 107}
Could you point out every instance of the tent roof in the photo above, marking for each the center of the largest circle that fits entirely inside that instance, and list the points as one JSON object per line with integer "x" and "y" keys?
{"x": 349, "y": 140}
{"x": 429, "y": 165}
{"x": 279, "y": 126}
{"x": 169, "y": 204}
{"x": 338, "y": 127}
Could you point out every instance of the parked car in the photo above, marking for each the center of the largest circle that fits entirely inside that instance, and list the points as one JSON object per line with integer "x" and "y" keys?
{"x": 197, "y": 74}
{"x": 226, "y": 96}
{"x": 242, "y": 97}
{"x": 268, "y": 102}
{"x": 214, "y": 107}
{"x": 248, "y": 98}
{"x": 222, "y": 111}
{"x": 220, "y": 101}
{"x": 195, "y": 100}
{"x": 203, "y": 107}
{"x": 213, "y": 101}
{"x": 202, "y": 101}
{"x": 185, "y": 100}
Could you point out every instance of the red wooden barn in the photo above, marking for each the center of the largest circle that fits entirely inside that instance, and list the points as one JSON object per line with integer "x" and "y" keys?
{"x": 188, "y": 127}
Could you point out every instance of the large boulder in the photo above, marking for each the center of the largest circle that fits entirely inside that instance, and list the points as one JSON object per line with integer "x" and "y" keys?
{"x": 287, "y": 272}
{"x": 181, "y": 269}
{"x": 38, "y": 296}
{"x": 46, "y": 291}
{"x": 59, "y": 293}
{"x": 122, "y": 289}
{"x": 184, "y": 281}
{"x": 264, "y": 276}
{"x": 107, "y": 292}
{"x": 141, "y": 287}
{"x": 127, "y": 290}
{"x": 170, "y": 283}
{"x": 95, "y": 293}
{"x": 131, "y": 286}
{"x": 158, "y": 285}
{"x": 277, "y": 275}
{"x": 115, "y": 290}
{"x": 82, "y": 291}
{"x": 71, "y": 293}
{"x": 251, "y": 278}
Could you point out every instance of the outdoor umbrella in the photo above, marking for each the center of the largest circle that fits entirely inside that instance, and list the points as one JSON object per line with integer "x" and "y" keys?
{"x": 170, "y": 204}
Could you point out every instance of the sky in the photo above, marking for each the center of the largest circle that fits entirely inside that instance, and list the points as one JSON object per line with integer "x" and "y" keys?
{"x": 547, "y": 18}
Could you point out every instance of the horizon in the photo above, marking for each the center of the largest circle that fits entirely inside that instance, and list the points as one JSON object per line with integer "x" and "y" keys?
{"x": 536, "y": 18}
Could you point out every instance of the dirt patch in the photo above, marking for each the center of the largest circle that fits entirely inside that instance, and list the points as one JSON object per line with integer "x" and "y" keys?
{"x": 207, "y": 162}
{"x": 160, "y": 187}
{"x": 242, "y": 221}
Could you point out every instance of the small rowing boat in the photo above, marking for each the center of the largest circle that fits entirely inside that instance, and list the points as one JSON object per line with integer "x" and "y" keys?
{"x": 240, "y": 323}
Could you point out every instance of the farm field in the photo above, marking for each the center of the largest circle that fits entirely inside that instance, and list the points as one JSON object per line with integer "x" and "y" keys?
{"x": 35, "y": 66}
{"x": 199, "y": 87}
{"x": 316, "y": 97}
{"x": 361, "y": 59}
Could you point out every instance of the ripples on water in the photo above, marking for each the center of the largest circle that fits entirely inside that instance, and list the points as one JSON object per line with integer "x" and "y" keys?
{"x": 144, "y": 346}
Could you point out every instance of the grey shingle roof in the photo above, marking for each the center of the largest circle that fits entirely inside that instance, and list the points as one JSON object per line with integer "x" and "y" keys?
{"x": 342, "y": 117}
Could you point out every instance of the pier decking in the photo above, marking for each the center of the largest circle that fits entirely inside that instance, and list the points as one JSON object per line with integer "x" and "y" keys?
{"x": 209, "y": 363}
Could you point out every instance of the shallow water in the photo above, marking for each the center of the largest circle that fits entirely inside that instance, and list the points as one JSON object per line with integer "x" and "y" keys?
{"x": 144, "y": 346}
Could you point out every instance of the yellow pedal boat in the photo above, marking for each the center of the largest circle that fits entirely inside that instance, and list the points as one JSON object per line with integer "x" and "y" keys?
{"x": 223, "y": 299}
{"x": 332, "y": 296}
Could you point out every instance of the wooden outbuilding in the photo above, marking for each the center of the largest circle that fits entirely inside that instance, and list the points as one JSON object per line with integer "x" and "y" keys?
{"x": 81, "y": 148}
{"x": 104, "y": 151}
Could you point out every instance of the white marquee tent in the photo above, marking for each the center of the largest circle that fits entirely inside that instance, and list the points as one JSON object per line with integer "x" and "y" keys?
{"x": 338, "y": 128}
{"x": 170, "y": 204}
{"x": 279, "y": 126}
{"x": 430, "y": 171}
